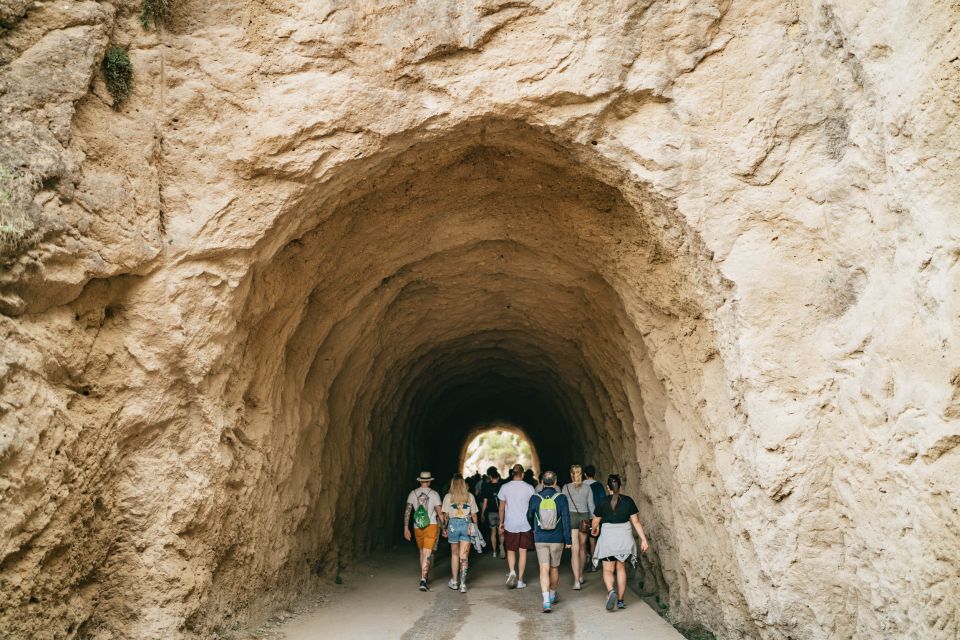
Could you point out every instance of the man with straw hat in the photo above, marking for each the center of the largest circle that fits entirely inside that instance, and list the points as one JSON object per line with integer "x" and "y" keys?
{"x": 423, "y": 504}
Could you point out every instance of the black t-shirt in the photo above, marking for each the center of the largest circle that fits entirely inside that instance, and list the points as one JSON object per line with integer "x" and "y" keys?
{"x": 489, "y": 492}
{"x": 626, "y": 507}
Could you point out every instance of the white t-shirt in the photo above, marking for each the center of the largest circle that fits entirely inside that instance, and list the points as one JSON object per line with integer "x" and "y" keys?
{"x": 516, "y": 494}
{"x": 430, "y": 500}
{"x": 456, "y": 510}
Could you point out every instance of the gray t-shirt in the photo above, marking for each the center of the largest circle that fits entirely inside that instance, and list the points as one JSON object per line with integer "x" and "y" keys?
{"x": 516, "y": 494}
{"x": 580, "y": 499}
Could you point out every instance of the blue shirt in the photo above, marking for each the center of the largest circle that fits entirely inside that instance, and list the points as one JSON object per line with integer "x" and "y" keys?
{"x": 598, "y": 491}
{"x": 562, "y": 532}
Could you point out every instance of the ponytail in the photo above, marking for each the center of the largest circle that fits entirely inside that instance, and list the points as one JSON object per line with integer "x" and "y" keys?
{"x": 576, "y": 475}
{"x": 614, "y": 483}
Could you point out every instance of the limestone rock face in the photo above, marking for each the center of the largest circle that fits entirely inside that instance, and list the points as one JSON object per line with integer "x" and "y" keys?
{"x": 712, "y": 246}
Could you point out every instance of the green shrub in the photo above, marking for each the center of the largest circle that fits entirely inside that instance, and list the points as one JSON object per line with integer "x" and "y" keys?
{"x": 696, "y": 632}
{"x": 118, "y": 71}
{"x": 690, "y": 632}
{"x": 156, "y": 12}
{"x": 18, "y": 231}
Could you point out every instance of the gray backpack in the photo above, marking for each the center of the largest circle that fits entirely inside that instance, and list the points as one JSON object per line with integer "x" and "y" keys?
{"x": 548, "y": 513}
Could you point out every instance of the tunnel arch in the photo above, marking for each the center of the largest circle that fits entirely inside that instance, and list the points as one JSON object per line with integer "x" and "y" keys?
{"x": 487, "y": 273}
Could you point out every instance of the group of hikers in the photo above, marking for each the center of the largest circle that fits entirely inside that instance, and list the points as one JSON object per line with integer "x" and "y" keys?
{"x": 526, "y": 515}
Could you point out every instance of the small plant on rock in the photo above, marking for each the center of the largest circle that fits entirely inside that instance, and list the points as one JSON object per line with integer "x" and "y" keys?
{"x": 118, "y": 71}
{"x": 156, "y": 12}
{"x": 18, "y": 230}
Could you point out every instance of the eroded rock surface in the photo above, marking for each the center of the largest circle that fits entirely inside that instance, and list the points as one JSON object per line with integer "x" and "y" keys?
{"x": 710, "y": 245}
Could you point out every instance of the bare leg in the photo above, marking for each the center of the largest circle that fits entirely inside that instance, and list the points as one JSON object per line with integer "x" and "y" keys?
{"x": 554, "y": 578}
{"x": 581, "y": 551}
{"x": 608, "y": 569}
{"x": 621, "y": 579}
{"x": 464, "y": 561}
{"x": 545, "y": 577}
{"x": 576, "y": 560}
{"x": 523, "y": 564}
{"x": 511, "y": 560}
{"x": 454, "y": 561}
{"x": 425, "y": 563}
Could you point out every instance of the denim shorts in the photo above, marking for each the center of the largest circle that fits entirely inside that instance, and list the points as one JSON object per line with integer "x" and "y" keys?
{"x": 457, "y": 530}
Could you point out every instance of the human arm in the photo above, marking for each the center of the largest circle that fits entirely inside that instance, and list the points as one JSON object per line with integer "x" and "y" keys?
{"x": 532, "y": 511}
{"x": 635, "y": 521}
{"x": 473, "y": 514}
{"x": 442, "y": 517}
{"x": 591, "y": 503}
{"x": 407, "y": 511}
{"x": 483, "y": 507}
{"x": 565, "y": 523}
{"x": 500, "y": 510}
{"x": 595, "y": 525}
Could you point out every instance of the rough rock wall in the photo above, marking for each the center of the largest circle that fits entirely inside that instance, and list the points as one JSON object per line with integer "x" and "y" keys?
{"x": 718, "y": 239}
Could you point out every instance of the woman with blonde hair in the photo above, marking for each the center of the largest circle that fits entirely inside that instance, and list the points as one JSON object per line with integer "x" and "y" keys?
{"x": 459, "y": 511}
{"x": 580, "y": 498}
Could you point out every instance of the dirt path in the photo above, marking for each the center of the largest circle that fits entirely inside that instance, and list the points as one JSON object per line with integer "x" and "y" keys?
{"x": 380, "y": 600}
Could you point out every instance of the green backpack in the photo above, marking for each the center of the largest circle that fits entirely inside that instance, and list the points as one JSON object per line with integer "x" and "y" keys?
{"x": 421, "y": 519}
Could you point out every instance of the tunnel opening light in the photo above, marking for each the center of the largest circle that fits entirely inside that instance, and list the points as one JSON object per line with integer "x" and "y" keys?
{"x": 499, "y": 445}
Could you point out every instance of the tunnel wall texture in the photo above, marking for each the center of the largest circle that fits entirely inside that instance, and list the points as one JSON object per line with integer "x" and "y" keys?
{"x": 712, "y": 246}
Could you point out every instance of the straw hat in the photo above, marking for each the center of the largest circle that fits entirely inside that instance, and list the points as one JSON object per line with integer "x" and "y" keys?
{"x": 425, "y": 476}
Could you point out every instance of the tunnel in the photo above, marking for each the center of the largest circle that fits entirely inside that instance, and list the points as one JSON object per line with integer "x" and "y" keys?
{"x": 492, "y": 273}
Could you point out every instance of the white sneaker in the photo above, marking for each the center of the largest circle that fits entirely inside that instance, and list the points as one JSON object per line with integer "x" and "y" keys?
{"x": 512, "y": 580}
{"x": 463, "y": 587}
{"x": 503, "y": 554}
{"x": 521, "y": 584}
{"x": 452, "y": 584}
{"x": 576, "y": 585}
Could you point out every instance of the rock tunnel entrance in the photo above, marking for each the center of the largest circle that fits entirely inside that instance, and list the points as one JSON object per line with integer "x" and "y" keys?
{"x": 489, "y": 274}
{"x": 500, "y": 445}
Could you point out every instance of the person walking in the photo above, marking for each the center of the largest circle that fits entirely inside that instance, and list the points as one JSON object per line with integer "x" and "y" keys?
{"x": 598, "y": 493}
{"x": 459, "y": 511}
{"x": 515, "y": 530}
{"x": 615, "y": 545}
{"x": 424, "y": 504}
{"x": 530, "y": 478}
{"x": 549, "y": 515}
{"x": 490, "y": 509}
{"x": 580, "y": 499}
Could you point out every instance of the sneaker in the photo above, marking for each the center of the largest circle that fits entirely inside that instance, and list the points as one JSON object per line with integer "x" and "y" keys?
{"x": 423, "y": 585}
{"x": 453, "y": 584}
{"x": 512, "y": 580}
{"x": 547, "y": 607}
{"x": 576, "y": 585}
{"x": 521, "y": 584}
{"x": 620, "y": 605}
{"x": 554, "y": 598}
{"x": 503, "y": 554}
{"x": 611, "y": 600}
{"x": 463, "y": 587}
